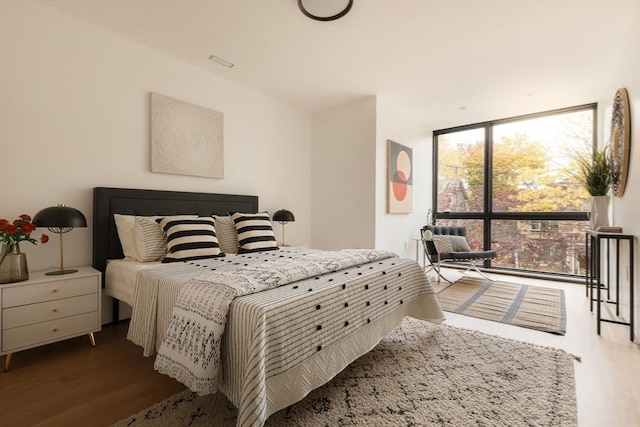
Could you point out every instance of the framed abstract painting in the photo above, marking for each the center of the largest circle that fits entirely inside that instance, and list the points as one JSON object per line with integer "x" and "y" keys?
{"x": 399, "y": 178}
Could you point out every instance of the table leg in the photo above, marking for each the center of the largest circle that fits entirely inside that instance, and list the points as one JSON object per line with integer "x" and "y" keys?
{"x": 617, "y": 277}
{"x": 7, "y": 361}
{"x": 599, "y": 288}
{"x": 608, "y": 269}
{"x": 631, "y": 299}
{"x": 589, "y": 262}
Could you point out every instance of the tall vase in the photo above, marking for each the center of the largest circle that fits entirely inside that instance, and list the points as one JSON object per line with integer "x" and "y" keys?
{"x": 599, "y": 212}
{"x": 13, "y": 265}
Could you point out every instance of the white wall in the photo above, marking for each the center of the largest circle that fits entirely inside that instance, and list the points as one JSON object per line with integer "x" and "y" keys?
{"x": 626, "y": 209}
{"x": 343, "y": 171}
{"x": 396, "y": 232}
{"x": 74, "y": 114}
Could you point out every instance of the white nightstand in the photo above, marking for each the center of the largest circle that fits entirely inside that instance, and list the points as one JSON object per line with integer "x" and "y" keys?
{"x": 46, "y": 309}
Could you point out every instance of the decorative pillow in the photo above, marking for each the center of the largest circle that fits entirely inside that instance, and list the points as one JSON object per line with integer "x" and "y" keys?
{"x": 443, "y": 244}
{"x": 459, "y": 244}
{"x": 190, "y": 238}
{"x": 226, "y": 233}
{"x": 141, "y": 237}
{"x": 255, "y": 232}
{"x": 150, "y": 243}
{"x": 125, "y": 225}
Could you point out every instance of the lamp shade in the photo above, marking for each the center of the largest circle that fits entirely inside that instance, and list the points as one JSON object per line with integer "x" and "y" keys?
{"x": 60, "y": 216}
{"x": 283, "y": 216}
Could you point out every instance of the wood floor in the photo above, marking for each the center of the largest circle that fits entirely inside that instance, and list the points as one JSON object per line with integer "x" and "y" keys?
{"x": 71, "y": 384}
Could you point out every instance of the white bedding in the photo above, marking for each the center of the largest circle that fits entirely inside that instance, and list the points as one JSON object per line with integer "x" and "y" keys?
{"x": 120, "y": 278}
{"x": 291, "y": 356}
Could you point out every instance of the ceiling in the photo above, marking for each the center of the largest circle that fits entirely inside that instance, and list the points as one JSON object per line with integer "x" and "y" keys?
{"x": 440, "y": 61}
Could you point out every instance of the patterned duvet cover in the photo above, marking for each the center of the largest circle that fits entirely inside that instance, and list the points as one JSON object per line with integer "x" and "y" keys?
{"x": 281, "y": 342}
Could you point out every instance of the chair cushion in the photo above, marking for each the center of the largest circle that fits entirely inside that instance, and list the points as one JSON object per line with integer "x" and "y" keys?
{"x": 447, "y": 230}
{"x": 459, "y": 244}
{"x": 469, "y": 256}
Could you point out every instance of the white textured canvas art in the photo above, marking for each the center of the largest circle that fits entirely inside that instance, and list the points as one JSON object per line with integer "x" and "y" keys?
{"x": 186, "y": 139}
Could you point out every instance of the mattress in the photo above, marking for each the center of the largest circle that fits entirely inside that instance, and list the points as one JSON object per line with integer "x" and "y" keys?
{"x": 120, "y": 278}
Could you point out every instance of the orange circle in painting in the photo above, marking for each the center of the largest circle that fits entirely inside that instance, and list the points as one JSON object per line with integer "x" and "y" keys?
{"x": 400, "y": 186}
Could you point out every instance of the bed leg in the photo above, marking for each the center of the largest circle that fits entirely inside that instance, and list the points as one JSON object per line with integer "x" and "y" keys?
{"x": 115, "y": 310}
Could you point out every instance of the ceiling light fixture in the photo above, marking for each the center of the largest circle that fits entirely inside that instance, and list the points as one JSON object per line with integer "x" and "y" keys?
{"x": 325, "y": 10}
{"x": 221, "y": 61}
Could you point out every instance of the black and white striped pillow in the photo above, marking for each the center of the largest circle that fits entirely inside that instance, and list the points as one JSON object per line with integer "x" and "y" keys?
{"x": 190, "y": 238}
{"x": 255, "y": 232}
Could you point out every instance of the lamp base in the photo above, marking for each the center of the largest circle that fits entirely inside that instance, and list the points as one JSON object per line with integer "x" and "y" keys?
{"x": 59, "y": 272}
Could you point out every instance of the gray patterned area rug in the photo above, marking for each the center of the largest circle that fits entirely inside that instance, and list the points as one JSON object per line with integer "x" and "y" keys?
{"x": 420, "y": 375}
{"x": 527, "y": 306}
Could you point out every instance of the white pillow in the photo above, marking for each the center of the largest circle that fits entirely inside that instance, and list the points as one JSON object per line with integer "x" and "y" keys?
{"x": 226, "y": 232}
{"x": 125, "y": 224}
{"x": 190, "y": 238}
{"x": 141, "y": 237}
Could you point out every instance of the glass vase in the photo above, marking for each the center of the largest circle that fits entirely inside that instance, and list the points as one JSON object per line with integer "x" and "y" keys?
{"x": 13, "y": 265}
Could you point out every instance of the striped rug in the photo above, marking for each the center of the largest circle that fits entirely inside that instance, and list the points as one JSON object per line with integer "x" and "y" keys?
{"x": 532, "y": 307}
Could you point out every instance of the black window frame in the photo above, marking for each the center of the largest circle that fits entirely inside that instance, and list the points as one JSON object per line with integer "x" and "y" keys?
{"x": 487, "y": 216}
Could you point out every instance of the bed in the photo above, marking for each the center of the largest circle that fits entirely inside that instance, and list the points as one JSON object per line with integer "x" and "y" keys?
{"x": 278, "y": 344}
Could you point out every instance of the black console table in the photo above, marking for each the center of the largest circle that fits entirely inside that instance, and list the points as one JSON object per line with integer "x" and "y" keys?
{"x": 595, "y": 272}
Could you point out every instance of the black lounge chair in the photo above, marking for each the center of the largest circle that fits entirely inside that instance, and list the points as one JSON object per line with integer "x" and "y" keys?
{"x": 449, "y": 244}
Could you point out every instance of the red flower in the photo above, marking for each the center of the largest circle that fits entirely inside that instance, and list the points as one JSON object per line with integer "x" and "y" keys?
{"x": 27, "y": 228}
{"x": 19, "y": 231}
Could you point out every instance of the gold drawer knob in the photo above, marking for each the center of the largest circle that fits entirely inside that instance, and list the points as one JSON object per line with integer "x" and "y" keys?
{"x": 54, "y": 290}
{"x": 55, "y": 310}
{"x": 54, "y": 329}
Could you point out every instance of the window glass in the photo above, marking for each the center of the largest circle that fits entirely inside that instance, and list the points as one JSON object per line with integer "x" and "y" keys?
{"x": 461, "y": 171}
{"x": 533, "y": 161}
{"x": 545, "y": 245}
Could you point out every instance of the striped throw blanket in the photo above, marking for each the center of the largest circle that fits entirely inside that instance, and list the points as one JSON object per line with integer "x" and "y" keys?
{"x": 190, "y": 351}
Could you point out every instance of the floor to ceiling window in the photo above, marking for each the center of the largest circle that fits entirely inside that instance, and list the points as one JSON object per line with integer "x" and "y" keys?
{"x": 510, "y": 182}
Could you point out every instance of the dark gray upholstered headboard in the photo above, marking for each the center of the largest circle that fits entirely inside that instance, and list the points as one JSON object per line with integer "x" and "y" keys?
{"x": 128, "y": 201}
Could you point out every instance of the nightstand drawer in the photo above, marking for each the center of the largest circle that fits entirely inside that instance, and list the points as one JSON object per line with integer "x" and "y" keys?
{"x": 41, "y": 312}
{"x": 54, "y": 330}
{"x": 39, "y": 292}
